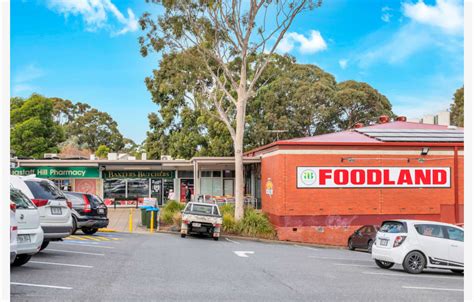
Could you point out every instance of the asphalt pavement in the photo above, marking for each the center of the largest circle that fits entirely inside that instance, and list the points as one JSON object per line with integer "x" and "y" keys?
{"x": 165, "y": 267}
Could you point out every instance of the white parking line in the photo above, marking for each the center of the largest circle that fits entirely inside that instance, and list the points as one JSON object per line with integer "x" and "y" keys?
{"x": 411, "y": 275}
{"x": 74, "y": 252}
{"x": 334, "y": 258}
{"x": 40, "y": 285}
{"x": 435, "y": 288}
{"x": 346, "y": 264}
{"x": 231, "y": 240}
{"x": 307, "y": 247}
{"x": 89, "y": 245}
{"x": 61, "y": 264}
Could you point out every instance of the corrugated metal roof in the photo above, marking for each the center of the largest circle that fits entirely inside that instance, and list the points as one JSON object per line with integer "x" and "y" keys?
{"x": 413, "y": 135}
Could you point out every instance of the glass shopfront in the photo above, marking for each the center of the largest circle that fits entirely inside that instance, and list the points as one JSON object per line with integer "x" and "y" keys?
{"x": 135, "y": 185}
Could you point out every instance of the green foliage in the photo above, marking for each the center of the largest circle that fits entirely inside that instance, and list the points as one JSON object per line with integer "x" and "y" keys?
{"x": 168, "y": 212}
{"x": 254, "y": 223}
{"x": 102, "y": 151}
{"x": 457, "y": 108}
{"x": 33, "y": 131}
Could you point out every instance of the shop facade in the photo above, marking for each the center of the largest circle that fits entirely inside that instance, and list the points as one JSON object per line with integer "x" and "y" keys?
{"x": 320, "y": 189}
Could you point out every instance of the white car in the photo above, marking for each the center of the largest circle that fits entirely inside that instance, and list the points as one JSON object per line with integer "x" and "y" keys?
{"x": 13, "y": 232}
{"x": 417, "y": 244}
{"x": 53, "y": 207}
{"x": 30, "y": 233}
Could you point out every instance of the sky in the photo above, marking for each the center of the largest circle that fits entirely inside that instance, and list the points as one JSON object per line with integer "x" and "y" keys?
{"x": 88, "y": 51}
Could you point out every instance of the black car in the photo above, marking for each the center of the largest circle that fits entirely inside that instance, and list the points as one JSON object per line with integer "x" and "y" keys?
{"x": 88, "y": 211}
{"x": 363, "y": 238}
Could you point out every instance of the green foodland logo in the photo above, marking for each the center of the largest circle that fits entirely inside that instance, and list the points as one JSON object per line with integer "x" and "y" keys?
{"x": 308, "y": 177}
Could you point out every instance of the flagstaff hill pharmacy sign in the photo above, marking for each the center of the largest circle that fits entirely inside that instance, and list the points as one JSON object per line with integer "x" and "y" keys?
{"x": 373, "y": 177}
{"x": 58, "y": 172}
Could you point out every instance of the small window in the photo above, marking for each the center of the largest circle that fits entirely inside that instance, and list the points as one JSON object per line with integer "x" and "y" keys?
{"x": 206, "y": 173}
{"x": 430, "y": 230}
{"x": 229, "y": 173}
{"x": 393, "y": 227}
{"x": 216, "y": 173}
{"x": 455, "y": 234}
{"x": 185, "y": 174}
{"x": 216, "y": 211}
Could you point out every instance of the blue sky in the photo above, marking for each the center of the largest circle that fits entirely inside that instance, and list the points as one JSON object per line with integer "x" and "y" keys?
{"x": 411, "y": 51}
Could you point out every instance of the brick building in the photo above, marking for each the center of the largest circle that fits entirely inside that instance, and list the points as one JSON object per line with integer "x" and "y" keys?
{"x": 320, "y": 189}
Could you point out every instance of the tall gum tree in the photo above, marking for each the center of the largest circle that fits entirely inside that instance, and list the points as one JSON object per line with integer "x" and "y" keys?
{"x": 222, "y": 32}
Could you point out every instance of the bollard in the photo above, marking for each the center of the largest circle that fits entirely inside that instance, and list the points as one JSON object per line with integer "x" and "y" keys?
{"x": 152, "y": 221}
{"x": 130, "y": 222}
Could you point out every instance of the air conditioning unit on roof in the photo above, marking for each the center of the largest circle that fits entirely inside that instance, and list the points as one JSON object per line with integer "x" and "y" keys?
{"x": 166, "y": 157}
{"x": 50, "y": 155}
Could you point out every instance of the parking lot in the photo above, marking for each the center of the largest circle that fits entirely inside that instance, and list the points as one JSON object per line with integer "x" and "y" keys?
{"x": 130, "y": 267}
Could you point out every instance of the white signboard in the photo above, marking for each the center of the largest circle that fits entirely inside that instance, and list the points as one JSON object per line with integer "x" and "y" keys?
{"x": 373, "y": 177}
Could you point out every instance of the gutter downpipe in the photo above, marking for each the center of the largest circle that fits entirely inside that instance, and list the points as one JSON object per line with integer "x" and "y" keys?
{"x": 456, "y": 186}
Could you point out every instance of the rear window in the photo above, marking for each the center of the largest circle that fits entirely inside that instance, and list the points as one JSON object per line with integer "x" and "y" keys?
{"x": 95, "y": 200}
{"x": 74, "y": 198}
{"x": 202, "y": 209}
{"x": 44, "y": 190}
{"x": 393, "y": 227}
{"x": 20, "y": 199}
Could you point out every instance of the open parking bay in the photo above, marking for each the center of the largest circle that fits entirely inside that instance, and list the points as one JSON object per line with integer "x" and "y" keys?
{"x": 166, "y": 267}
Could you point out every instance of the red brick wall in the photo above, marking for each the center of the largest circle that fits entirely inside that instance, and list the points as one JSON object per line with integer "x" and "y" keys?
{"x": 329, "y": 216}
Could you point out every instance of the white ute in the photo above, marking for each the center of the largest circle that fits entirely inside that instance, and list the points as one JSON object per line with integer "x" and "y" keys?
{"x": 417, "y": 244}
{"x": 201, "y": 218}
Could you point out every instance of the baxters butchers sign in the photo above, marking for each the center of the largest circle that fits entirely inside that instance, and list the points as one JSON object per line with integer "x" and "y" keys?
{"x": 373, "y": 177}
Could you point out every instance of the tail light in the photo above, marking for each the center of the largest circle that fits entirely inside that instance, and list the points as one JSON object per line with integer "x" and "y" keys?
{"x": 69, "y": 204}
{"x": 399, "y": 240}
{"x": 12, "y": 207}
{"x": 186, "y": 221}
{"x": 87, "y": 204}
{"x": 40, "y": 202}
{"x": 217, "y": 225}
{"x": 14, "y": 228}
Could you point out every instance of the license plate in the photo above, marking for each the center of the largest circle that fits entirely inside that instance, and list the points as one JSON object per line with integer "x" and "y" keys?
{"x": 24, "y": 238}
{"x": 56, "y": 211}
{"x": 100, "y": 211}
{"x": 383, "y": 242}
{"x": 196, "y": 224}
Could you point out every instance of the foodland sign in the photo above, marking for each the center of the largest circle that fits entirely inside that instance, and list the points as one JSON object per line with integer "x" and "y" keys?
{"x": 373, "y": 177}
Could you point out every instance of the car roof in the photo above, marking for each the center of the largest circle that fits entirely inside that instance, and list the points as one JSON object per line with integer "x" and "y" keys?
{"x": 413, "y": 221}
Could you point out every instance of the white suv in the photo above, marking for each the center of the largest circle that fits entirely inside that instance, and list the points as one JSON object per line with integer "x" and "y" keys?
{"x": 13, "y": 232}
{"x": 53, "y": 207}
{"x": 30, "y": 233}
{"x": 417, "y": 244}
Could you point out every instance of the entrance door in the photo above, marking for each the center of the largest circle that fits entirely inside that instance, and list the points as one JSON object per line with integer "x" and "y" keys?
{"x": 186, "y": 183}
{"x": 229, "y": 187}
{"x": 156, "y": 189}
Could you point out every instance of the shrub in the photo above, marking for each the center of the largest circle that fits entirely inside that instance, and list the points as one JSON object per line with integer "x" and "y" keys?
{"x": 255, "y": 224}
{"x": 228, "y": 223}
{"x": 177, "y": 219}
{"x": 169, "y": 210}
{"x": 227, "y": 209}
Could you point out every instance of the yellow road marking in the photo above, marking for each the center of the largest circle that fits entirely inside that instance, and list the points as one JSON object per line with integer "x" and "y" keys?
{"x": 91, "y": 238}
{"x": 73, "y": 237}
{"x": 102, "y": 238}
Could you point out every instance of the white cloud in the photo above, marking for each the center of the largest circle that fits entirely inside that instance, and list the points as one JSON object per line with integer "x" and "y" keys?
{"x": 343, "y": 63}
{"x": 97, "y": 14}
{"x": 313, "y": 44}
{"x": 386, "y": 15}
{"x": 416, "y": 107}
{"x": 22, "y": 79}
{"x": 445, "y": 14}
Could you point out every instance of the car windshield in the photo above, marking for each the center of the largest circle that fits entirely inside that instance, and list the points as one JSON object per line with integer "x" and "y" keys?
{"x": 393, "y": 227}
{"x": 21, "y": 201}
{"x": 44, "y": 190}
{"x": 203, "y": 209}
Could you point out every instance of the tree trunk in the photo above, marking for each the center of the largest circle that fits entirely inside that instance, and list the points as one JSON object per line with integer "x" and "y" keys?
{"x": 239, "y": 163}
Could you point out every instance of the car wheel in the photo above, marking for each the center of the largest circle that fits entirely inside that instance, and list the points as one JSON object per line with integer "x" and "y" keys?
{"x": 74, "y": 226}
{"x": 216, "y": 238}
{"x": 44, "y": 245}
{"x": 183, "y": 235}
{"x": 350, "y": 245}
{"x": 369, "y": 246}
{"x": 89, "y": 231}
{"x": 414, "y": 262}
{"x": 384, "y": 264}
{"x": 21, "y": 259}
{"x": 458, "y": 271}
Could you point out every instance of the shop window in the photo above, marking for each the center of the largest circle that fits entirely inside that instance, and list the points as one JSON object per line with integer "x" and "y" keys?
{"x": 137, "y": 188}
{"x": 115, "y": 188}
{"x": 63, "y": 184}
{"x": 206, "y": 173}
{"x": 216, "y": 173}
{"x": 229, "y": 174}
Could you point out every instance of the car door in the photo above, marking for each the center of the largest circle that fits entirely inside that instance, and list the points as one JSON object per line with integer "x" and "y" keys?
{"x": 456, "y": 246}
{"x": 358, "y": 237}
{"x": 433, "y": 243}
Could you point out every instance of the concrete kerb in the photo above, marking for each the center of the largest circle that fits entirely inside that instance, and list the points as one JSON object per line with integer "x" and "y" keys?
{"x": 269, "y": 241}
